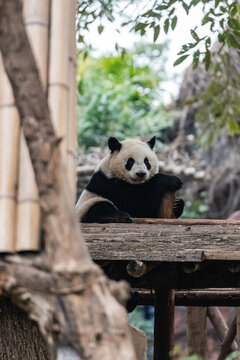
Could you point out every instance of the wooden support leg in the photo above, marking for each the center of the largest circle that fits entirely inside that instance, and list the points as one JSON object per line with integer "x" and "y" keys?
{"x": 196, "y": 330}
{"x": 238, "y": 331}
{"x": 163, "y": 323}
{"x": 226, "y": 344}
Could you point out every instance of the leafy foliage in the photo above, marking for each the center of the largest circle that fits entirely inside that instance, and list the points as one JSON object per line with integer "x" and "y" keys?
{"x": 121, "y": 96}
{"x": 222, "y": 17}
{"x": 218, "y": 106}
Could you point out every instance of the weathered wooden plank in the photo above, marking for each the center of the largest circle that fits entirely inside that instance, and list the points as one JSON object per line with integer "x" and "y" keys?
{"x": 167, "y": 240}
{"x": 196, "y": 330}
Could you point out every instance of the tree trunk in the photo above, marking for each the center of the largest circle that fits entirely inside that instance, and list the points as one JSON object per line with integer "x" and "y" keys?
{"x": 20, "y": 337}
{"x": 97, "y": 324}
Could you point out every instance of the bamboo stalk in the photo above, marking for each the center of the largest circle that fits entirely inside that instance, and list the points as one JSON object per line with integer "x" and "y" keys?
{"x": 28, "y": 215}
{"x": 59, "y": 70}
{"x": 9, "y": 149}
{"x": 36, "y": 19}
{"x": 72, "y": 105}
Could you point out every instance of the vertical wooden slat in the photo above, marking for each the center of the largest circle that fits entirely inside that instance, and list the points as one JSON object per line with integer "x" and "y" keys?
{"x": 165, "y": 210}
{"x": 58, "y": 92}
{"x": 196, "y": 330}
{"x": 238, "y": 331}
{"x": 36, "y": 19}
{"x": 72, "y": 105}
{"x": 163, "y": 323}
{"x": 9, "y": 150}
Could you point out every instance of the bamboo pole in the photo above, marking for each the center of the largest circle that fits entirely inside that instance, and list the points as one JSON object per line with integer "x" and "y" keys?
{"x": 72, "y": 105}
{"x": 9, "y": 149}
{"x": 36, "y": 20}
{"x": 58, "y": 92}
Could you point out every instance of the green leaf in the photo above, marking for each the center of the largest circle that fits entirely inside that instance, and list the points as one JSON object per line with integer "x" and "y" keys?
{"x": 171, "y": 12}
{"x": 174, "y": 22}
{"x": 195, "y": 35}
{"x": 100, "y": 29}
{"x": 222, "y": 23}
{"x": 180, "y": 60}
{"x": 207, "y": 60}
{"x": 232, "y": 41}
{"x": 156, "y": 32}
{"x": 196, "y": 56}
{"x": 186, "y": 7}
{"x": 166, "y": 26}
{"x": 140, "y": 26}
{"x": 233, "y": 126}
{"x": 194, "y": 2}
{"x": 161, "y": 7}
{"x": 208, "y": 42}
{"x": 217, "y": 2}
{"x": 234, "y": 24}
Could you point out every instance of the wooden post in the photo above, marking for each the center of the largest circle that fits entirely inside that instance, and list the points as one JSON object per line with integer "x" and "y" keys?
{"x": 163, "y": 323}
{"x": 165, "y": 210}
{"x": 238, "y": 331}
{"x": 196, "y": 330}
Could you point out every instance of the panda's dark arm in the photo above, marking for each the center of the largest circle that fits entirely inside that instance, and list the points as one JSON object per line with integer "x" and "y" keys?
{"x": 167, "y": 182}
{"x": 105, "y": 212}
{"x": 98, "y": 184}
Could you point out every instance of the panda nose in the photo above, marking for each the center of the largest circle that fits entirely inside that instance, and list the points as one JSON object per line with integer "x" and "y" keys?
{"x": 141, "y": 174}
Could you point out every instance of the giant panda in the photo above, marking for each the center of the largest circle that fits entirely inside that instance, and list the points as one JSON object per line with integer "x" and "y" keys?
{"x": 127, "y": 184}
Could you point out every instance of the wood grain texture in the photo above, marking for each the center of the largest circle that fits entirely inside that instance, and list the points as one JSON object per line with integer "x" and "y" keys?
{"x": 196, "y": 330}
{"x": 173, "y": 241}
{"x": 166, "y": 206}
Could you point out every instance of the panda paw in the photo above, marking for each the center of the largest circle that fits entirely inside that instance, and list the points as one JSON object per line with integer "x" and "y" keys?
{"x": 175, "y": 183}
{"x": 178, "y": 207}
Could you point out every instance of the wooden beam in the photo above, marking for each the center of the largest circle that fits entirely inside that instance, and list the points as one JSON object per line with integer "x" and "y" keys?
{"x": 197, "y": 298}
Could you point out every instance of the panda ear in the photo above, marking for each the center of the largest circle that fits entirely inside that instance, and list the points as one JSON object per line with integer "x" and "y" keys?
{"x": 114, "y": 144}
{"x": 151, "y": 142}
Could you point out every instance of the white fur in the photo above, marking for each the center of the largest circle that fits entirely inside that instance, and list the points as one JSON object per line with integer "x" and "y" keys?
{"x": 113, "y": 165}
{"x": 86, "y": 201}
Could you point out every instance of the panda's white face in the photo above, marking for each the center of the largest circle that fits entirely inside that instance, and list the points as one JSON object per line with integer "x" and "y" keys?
{"x": 132, "y": 160}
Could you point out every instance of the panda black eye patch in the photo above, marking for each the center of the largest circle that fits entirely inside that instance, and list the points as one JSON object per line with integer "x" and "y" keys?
{"x": 129, "y": 164}
{"x": 147, "y": 163}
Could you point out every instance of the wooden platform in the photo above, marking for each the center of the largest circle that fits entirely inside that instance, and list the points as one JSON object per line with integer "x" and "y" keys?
{"x": 183, "y": 254}
{"x": 174, "y": 255}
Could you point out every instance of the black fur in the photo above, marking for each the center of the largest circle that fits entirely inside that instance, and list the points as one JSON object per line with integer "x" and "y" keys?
{"x": 141, "y": 200}
{"x": 104, "y": 212}
{"x": 129, "y": 164}
{"x": 114, "y": 144}
{"x": 151, "y": 142}
{"x": 147, "y": 163}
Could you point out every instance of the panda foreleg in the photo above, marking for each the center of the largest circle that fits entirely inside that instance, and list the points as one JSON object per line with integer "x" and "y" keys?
{"x": 105, "y": 212}
{"x": 178, "y": 207}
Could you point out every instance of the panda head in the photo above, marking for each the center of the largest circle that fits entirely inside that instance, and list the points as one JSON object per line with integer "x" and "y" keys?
{"x": 131, "y": 160}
